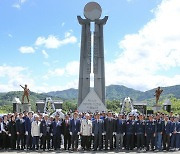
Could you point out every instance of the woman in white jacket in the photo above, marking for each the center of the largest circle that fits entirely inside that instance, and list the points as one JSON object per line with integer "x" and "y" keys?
{"x": 35, "y": 132}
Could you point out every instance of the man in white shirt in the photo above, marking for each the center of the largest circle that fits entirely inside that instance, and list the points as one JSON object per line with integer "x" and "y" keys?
{"x": 35, "y": 132}
{"x": 86, "y": 132}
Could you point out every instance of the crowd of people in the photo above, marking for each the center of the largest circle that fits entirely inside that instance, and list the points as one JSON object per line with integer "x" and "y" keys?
{"x": 86, "y": 131}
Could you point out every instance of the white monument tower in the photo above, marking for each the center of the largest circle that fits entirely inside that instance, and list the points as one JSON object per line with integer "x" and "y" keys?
{"x": 92, "y": 99}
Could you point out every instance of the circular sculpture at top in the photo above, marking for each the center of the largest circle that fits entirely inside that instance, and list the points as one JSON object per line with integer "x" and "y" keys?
{"x": 92, "y": 11}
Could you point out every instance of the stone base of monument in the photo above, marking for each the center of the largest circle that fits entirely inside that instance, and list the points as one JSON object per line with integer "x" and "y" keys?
{"x": 26, "y": 107}
{"x": 156, "y": 108}
{"x": 21, "y": 107}
{"x": 92, "y": 103}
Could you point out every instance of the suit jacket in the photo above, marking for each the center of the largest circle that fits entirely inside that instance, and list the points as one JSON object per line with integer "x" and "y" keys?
{"x": 120, "y": 126}
{"x": 75, "y": 128}
{"x": 28, "y": 125}
{"x": 66, "y": 127}
{"x": 56, "y": 128}
{"x": 150, "y": 127}
{"x": 86, "y": 127}
{"x": 159, "y": 126}
{"x": 97, "y": 127}
{"x": 130, "y": 127}
{"x": 140, "y": 127}
{"x": 35, "y": 128}
{"x": 12, "y": 128}
{"x": 167, "y": 128}
{"x": 45, "y": 127}
{"x": 20, "y": 126}
{"x": 176, "y": 126}
{"x": 109, "y": 126}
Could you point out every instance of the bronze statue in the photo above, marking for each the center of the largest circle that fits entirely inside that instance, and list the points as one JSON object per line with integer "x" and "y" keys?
{"x": 26, "y": 93}
{"x": 157, "y": 94}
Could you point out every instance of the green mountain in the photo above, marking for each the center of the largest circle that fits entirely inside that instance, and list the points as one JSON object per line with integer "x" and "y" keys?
{"x": 65, "y": 94}
{"x": 118, "y": 92}
{"x": 113, "y": 92}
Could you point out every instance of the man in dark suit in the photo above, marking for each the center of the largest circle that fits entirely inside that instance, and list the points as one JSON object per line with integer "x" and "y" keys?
{"x": 159, "y": 131}
{"x": 12, "y": 132}
{"x": 140, "y": 132}
{"x": 109, "y": 129}
{"x": 45, "y": 132}
{"x": 66, "y": 133}
{"x": 130, "y": 131}
{"x": 20, "y": 128}
{"x": 150, "y": 132}
{"x": 28, "y": 122}
{"x": 75, "y": 131}
{"x": 56, "y": 130}
{"x": 97, "y": 131}
{"x": 167, "y": 131}
{"x": 120, "y": 131}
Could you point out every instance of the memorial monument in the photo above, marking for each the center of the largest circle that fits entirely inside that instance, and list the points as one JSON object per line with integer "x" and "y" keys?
{"x": 92, "y": 99}
{"x": 19, "y": 106}
{"x": 157, "y": 94}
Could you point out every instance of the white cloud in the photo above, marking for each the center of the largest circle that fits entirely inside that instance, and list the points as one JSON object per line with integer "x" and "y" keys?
{"x": 18, "y": 6}
{"x": 19, "y": 3}
{"x": 54, "y": 42}
{"x": 15, "y": 75}
{"x": 154, "y": 48}
{"x": 62, "y": 24}
{"x": 71, "y": 69}
{"x": 26, "y": 49}
{"x": 46, "y": 64}
{"x": 10, "y": 35}
{"x": 45, "y": 54}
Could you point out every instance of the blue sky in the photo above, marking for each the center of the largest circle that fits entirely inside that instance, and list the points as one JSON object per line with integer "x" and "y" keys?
{"x": 40, "y": 43}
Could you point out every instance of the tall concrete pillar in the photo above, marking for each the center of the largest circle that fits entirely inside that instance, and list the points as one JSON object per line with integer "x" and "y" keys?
{"x": 98, "y": 59}
{"x": 92, "y": 99}
{"x": 85, "y": 60}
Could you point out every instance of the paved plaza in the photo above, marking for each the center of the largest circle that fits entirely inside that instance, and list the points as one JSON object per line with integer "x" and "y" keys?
{"x": 80, "y": 151}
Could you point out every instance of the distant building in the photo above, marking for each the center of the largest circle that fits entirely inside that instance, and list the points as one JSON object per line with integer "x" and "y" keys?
{"x": 167, "y": 105}
{"x": 140, "y": 106}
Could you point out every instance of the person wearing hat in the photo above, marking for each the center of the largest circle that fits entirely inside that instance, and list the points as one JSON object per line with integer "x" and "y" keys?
{"x": 97, "y": 131}
{"x": 45, "y": 132}
{"x": 86, "y": 132}
{"x": 150, "y": 132}
{"x": 75, "y": 131}
{"x": 140, "y": 132}
{"x": 20, "y": 128}
{"x": 35, "y": 132}
{"x": 130, "y": 131}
